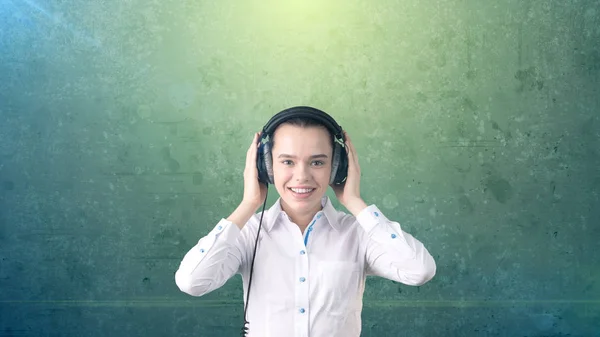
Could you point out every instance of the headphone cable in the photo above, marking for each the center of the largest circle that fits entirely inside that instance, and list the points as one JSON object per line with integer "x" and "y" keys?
{"x": 245, "y": 327}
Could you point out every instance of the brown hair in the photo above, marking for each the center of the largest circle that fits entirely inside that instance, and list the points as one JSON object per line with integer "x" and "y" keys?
{"x": 303, "y": 122}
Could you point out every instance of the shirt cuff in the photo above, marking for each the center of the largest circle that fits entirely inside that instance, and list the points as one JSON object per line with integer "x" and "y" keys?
{"x": 370, "y": 217}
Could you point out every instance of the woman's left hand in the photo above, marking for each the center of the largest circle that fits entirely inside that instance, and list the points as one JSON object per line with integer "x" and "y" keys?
{"x": 348, "y": 193}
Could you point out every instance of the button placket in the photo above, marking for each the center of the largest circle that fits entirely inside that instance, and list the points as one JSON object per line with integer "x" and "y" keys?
{"x": 301, "y": 292}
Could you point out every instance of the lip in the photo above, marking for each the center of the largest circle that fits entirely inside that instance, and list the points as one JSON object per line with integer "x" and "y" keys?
{"x": 302, "y": 187}
{"x": 299, "y": 196}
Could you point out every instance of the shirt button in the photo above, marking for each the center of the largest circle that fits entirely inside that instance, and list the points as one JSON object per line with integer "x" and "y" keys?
{"x": 302, "y": 252}
{"x": 219, "y": 227}
{"x": 201, "y": 250}
{"x": 302, "y": 279}
{"x": 376, "y": 214}
{"x": 393, "y": 236}
{"x": 301, "y": 310}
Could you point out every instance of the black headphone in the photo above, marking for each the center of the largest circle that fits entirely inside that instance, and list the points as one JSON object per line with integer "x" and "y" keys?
{"x": 339, "y": 164}
{"x": 264, "y": 162}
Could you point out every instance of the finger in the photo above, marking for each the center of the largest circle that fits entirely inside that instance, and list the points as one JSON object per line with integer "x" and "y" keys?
{"x": 251, "y": 148}
{"x": 350, "y": 146}
{"x": 251, "y": 154}
{"x": 352, "y": 157}
{"x": 256, "y": 142}
{"x": 256, "y": 145}
{"x": 348, "y": 140}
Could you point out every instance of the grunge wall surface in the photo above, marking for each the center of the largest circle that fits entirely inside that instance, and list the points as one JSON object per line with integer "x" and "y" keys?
{"x": 124, "y": 127}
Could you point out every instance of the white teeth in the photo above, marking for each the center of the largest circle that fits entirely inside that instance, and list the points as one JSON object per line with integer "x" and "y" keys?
{"x": 301, "y": 190}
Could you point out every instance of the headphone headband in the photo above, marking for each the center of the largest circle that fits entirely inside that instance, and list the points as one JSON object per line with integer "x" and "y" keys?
{"x": 305, "y": 112}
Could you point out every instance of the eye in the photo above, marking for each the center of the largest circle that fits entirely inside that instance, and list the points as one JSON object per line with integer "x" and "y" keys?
{"x": 316, "y": 162}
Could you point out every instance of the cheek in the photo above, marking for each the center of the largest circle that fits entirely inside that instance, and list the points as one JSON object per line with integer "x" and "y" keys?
{"x": 282, "y": 173}
{"x": 324, "y": 175}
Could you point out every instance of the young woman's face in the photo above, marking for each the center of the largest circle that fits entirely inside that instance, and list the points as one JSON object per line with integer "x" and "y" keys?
{"x": 301, "y": 166}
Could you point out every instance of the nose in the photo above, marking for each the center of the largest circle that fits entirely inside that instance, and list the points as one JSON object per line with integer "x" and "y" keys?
{"x": 301, "y": 172}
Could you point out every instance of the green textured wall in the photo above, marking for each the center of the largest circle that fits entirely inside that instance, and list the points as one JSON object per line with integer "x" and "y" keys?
{"x": 124, "y": 128}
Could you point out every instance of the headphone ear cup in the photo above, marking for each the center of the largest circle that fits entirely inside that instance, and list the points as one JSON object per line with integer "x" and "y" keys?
{"x": 339, "y": 165}
{"x": 261, "y": 164}
{"x": 268, "y": 162}
{"x": 343, "y": 168}
{"x": 335, "y": 164}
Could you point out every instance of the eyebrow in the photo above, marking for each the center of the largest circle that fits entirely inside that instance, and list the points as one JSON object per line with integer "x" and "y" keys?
{"x": 283, "y": 155}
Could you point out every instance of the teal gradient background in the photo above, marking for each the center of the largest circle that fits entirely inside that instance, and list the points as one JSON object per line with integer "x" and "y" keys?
{"x": 124, "y": 127}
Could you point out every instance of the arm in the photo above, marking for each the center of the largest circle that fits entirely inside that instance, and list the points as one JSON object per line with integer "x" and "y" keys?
{"x": 218, "y": 255}
{"x": 390, "y": 252}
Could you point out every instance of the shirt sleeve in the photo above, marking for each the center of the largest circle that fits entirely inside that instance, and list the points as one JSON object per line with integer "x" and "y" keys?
{"x": 391, "y": 252}
{"x": 213, "y": 260}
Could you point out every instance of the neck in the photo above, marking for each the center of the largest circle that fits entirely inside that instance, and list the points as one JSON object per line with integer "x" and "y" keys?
{"x": 303, "y": 217}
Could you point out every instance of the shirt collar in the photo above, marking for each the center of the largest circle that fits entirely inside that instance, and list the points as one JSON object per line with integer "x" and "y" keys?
{"x": 272, "y": 214}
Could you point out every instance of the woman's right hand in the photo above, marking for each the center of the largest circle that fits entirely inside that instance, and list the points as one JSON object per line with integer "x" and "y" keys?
{"x": 254, "y": 191}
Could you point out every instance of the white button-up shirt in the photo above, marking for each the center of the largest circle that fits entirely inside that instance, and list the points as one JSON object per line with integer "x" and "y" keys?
{"x": 311, "y": 284}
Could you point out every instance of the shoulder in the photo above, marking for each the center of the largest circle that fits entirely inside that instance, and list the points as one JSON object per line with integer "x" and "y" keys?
{"x": 261, "y": 219}
{"x": 341, "y": 220}
{"x": 365, "y": 220}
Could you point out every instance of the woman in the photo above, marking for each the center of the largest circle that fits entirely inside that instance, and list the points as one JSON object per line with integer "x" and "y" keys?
{"x": 311, "y": 259}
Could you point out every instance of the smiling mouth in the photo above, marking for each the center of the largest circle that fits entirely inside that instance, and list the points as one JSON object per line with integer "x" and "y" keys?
{"x": 301, "y": 190}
